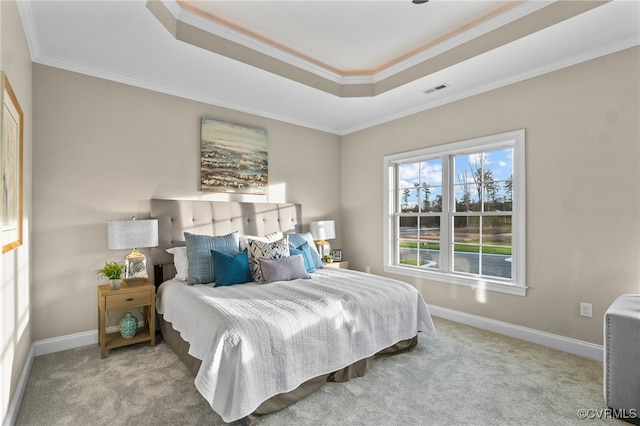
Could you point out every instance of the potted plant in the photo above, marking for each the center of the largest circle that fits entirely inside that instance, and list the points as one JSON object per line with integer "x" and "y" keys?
{"x": 327, "y": 258}
{"x": 113, "y": 272}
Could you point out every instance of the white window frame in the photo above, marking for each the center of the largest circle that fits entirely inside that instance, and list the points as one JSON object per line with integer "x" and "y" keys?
{"x": 515, "y": 139}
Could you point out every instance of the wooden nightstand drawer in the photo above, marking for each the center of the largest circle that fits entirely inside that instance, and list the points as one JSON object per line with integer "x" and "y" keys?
{"x": 139, "y": 296}
{"x": 128, "y": 300}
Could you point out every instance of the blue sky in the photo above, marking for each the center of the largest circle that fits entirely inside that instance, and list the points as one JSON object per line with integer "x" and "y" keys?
{"x": 499, "y": 161}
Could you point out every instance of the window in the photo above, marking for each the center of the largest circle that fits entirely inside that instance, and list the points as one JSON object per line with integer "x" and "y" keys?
{"x": 455, "y": 213}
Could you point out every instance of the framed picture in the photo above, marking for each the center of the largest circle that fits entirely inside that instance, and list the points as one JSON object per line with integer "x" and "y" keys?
{"x": 337, "y": 255}
{"x": 11, "y": 127}
{"x": 233, "y": 158}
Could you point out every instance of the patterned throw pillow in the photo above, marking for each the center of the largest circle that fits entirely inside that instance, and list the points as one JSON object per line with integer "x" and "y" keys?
{"x": 199, "y": 254}
{"x": 261, "y": 250}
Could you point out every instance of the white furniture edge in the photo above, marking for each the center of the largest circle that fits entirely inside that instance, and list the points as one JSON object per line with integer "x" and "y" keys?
{"x": 554, "y": 341}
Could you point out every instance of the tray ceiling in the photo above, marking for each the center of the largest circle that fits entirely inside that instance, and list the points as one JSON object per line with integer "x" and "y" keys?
{"x": 336, "y": 66}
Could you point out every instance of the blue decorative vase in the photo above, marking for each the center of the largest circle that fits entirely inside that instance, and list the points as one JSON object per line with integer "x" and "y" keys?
{"x": 128, "y": 326}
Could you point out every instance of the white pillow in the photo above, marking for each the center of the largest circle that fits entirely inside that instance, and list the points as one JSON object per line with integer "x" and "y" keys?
{"x": 181, "y": 262}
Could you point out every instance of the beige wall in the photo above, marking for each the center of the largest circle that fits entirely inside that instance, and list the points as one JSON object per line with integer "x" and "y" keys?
{"x": 103, "y": 149}
{"x": 15, "y": 307}
{"x": 583, "y": 191}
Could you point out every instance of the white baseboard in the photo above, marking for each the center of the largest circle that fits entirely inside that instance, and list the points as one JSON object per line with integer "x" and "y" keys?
{"x": 62, "y": 343}
{"x": 554, "y": 341}
{"x": 72, "y": 341}
{"x": 14, "y": 407}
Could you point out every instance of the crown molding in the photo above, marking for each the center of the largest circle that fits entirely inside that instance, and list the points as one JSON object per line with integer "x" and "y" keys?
{"x": 198, "y": 97}
{"x": 173, "y": 91}
{"x": 26, "y": 16}
{"x": 531, "y": 73}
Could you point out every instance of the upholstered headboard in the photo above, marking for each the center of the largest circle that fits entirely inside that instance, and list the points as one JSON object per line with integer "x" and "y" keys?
{"x": 217, "y": 218}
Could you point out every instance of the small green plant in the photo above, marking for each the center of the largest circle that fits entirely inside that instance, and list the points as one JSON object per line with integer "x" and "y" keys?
{"x": 111, "y": 271}
{"x": 327, "y": 258}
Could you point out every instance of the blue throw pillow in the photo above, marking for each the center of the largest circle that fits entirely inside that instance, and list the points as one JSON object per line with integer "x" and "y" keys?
{"x": 231, "y": 269}
{"x": 296, "y": 240}
{"x": 305, "y": 251}
{"x": 199, "y": 248}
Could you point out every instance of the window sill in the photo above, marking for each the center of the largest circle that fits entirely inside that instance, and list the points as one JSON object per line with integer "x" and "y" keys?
{"x": 474, "y": 283}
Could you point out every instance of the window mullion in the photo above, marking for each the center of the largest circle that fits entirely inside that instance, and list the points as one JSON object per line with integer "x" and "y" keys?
{"x": 446, "y": 218}
{"x": 397, "y": 215}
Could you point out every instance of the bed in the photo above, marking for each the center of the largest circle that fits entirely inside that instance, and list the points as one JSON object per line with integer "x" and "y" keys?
{"x": 255, "y": 348}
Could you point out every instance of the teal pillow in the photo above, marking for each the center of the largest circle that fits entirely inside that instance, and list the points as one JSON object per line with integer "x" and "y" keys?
{"x": 199, "y": 248}
{"x": 305, "y": 251}
{"x": 231, "y": 269}
{"x": 296, "y": 240}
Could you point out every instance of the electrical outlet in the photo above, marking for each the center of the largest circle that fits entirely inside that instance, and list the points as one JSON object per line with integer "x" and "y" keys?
{"x": 367, "y": 269}
{"x": 585, "y": 309}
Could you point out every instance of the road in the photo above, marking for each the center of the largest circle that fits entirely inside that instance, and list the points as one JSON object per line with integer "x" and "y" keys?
{"x": 496, "y": 265}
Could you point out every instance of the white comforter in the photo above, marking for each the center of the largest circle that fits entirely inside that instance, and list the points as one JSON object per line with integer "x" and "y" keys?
{"x": 256, "y": 341}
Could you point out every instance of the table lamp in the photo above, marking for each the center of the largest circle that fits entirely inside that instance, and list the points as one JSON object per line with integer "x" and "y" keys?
{"x": 133, "y": 234}
{"x": 321, "y": 231}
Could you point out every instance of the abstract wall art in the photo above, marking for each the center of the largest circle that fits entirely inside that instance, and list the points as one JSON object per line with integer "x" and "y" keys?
{"x": 234, "y": 158}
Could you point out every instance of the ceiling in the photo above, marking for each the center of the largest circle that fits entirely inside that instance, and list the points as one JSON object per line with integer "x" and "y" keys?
{"x": 335, "y": 66}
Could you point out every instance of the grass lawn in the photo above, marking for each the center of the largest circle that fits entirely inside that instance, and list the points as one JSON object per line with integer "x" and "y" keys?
{"x": 469, "y": 247}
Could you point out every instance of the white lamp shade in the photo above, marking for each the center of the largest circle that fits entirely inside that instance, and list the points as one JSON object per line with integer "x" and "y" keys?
{"x": 323, "y": 230}
{"x": 129, "y": 234}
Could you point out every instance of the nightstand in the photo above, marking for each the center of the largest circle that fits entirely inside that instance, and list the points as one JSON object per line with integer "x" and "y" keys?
{"x": 126, "y": 297}
{"x": 343, "y": 265}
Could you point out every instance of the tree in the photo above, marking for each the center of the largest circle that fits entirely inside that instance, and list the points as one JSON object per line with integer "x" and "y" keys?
{"x": 465, "y": 184}
{"x": 405, "y": 199}
{"x": 508, "y": 188}
{"x": 438, "y": 203}
{"x": 483, "y": 178}
{"x": 425, "y": 198}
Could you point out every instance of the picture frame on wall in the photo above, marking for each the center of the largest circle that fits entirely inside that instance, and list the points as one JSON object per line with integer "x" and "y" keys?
{"x": 11, "y": 173}
{"x": 337, "y": 255}
{"x": 234, "y": 158}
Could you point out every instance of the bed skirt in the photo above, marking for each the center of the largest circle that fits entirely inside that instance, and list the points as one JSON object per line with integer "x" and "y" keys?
{"x": 280, "y": 401}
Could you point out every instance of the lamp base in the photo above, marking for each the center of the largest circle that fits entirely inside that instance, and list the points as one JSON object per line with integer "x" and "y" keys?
{"x": 323, "y": 247}
{"x": 136, "y": 268}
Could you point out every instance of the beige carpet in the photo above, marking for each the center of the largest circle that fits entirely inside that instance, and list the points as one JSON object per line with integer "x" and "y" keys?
{"x": 463, "y": 376}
